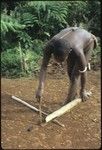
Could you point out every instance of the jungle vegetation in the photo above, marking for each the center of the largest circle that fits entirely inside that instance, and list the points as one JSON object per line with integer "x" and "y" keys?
{"x": 26, "y": 26}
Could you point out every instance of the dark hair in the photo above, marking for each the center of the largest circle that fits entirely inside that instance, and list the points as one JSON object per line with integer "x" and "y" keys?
{"x": 59, "y": 47}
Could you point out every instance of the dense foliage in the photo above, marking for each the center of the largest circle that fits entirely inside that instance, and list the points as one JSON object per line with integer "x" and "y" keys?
{"x": 27, "y": 25}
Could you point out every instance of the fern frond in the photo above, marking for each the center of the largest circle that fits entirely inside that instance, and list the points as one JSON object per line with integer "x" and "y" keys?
{"x": 9, "y": 23}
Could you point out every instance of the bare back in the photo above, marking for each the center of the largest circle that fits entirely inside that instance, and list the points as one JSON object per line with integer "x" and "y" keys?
{"x": 77, "y": 37}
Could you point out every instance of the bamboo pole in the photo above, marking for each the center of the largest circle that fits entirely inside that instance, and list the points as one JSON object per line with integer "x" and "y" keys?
{"x": 62, "y": 110}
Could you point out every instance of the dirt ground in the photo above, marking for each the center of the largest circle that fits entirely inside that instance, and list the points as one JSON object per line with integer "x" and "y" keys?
{"x": 82, "y": 124}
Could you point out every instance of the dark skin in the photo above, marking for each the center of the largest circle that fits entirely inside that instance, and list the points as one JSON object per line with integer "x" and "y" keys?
{"x": 77, "y": 56}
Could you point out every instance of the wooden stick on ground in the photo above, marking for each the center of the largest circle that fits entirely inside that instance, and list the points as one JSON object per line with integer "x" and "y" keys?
{"x": 34, "y": 108}
{"x": 62, "y": 110}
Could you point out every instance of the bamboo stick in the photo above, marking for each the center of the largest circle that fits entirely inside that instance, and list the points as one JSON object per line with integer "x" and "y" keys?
{"x": 62, "y": 110}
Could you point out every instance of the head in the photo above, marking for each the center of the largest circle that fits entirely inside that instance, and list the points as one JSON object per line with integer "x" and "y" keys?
{"x": 60, "y": 55}
{"x": 60, "y": 49}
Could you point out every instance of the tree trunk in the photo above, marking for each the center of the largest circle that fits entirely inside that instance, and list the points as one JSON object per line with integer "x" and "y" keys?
{"x": 21, "y": 56}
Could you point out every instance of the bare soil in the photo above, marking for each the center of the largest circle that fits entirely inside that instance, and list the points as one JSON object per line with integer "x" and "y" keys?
{"x": 82, "y": 124}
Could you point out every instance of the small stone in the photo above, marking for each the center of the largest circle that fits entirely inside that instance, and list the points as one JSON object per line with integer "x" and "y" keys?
{"x": 53, "y": 147}
{"x": 19, "y": 132}
{"x": 30, "y": 128}
{"x": 19, "y": 145}
{"x": 94, "y": 120}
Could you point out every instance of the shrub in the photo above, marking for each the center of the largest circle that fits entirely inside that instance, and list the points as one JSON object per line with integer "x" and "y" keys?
{"x": 96, "y": 58}
{"x": 11, "y": 63}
